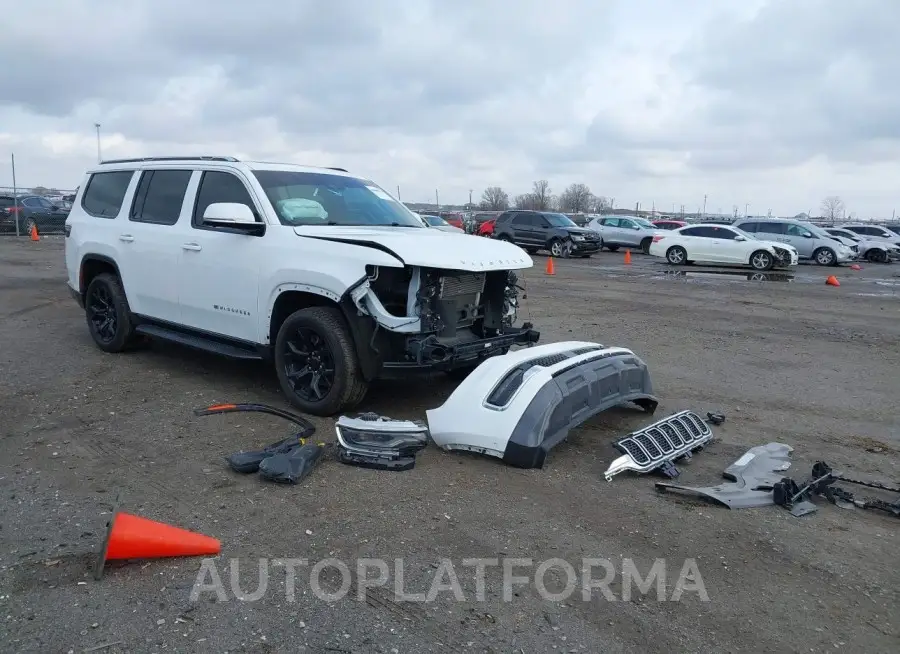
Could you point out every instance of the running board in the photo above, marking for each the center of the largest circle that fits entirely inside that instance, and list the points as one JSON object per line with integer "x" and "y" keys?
{"x": 198, "y": 342}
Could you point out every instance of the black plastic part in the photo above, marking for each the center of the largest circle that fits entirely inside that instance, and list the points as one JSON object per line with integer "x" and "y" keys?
{"x": 308, "y": 429}
{"x": 715, "y": 418}
{"x": 247, "y": 462}
{"x": 376, "y": 462}
{"x": 198, "y": 341}
{"x": 668, "y": 469}
{"x": 292, "y": 467}
{"x": 362, "y": 330}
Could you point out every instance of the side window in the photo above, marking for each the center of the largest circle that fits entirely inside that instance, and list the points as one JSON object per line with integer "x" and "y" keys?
{"x": 624, "y": 223}
{"x": 521, "y": 220}
{"x": 797, "y": 230}
{"x": 750, "y": 228}
{"x": 220, "y": 187}
{"x": 610, "y": 222}
{"x": 503, "y": 217}
{"x": 159, "y": 196}
{"x": 692, "y": 231}
{"x": 105, "y": 193}
{"x": 857, "y": 230}
{"x": 770, "y": 228}
{"x": 726, "y": 234}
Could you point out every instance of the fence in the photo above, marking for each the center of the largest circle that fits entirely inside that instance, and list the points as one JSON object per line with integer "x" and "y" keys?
{"x": 46, "y": 209}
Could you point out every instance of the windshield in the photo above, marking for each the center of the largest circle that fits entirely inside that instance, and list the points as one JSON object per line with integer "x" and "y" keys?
{"x": 747, "y": 235}
{"x": 302, "y": 198}
{"x": 559, "y": 220}
{"x": 435, "y": 221}
{"x": 643, "y": 222}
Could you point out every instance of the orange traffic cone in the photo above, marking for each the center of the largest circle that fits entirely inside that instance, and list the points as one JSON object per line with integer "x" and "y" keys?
{"x": 855, "y": 266}
{"x": 550, "y": 269}
{"x": 34, "y": 233}
{"x": 132, "y": 537}
{"x": 627, "y": 257}
{"x": 832, "y": 281}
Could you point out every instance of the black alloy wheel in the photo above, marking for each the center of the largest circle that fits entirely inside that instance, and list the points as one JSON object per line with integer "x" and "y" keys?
{"x": 309, "y": 365}
{"x": 102, "y": 313}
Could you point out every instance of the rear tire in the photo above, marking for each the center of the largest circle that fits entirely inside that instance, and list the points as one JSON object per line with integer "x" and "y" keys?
{"x": 676, "y": 255}
{"x": 645, "y": 245}
{"x": 307, "y": 342}
{"x": 876, "y": 256}
{"x": 107, "y": 313}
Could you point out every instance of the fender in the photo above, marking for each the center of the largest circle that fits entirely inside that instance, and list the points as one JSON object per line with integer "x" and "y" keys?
{"x": 93, "y": 256}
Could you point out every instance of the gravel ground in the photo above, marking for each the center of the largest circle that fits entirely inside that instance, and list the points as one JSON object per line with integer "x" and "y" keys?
{"x": 801, "y": 363}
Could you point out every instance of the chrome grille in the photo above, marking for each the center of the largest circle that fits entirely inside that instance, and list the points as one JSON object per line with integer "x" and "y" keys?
{"x": 659, "y": 444}
{"x": 457, "y": 285}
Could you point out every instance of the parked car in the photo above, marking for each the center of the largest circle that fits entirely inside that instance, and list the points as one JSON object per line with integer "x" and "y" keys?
{"x": 721, "y": 244}
{"x": 439, "y": 223}
{"x": 315, "y": 269}
{"x": 32, "y": 210}
{"x": 669, "y": 224}
{"x": 811, "y": 242}
{"x": 873, "y": 231}
{"x": 624, "y": 231}
{"x": 546, "y": 230}
{"x": 874, "y": 250}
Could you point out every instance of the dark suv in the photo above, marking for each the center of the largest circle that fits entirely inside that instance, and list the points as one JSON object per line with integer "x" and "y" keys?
{"x": 545, "y": 230}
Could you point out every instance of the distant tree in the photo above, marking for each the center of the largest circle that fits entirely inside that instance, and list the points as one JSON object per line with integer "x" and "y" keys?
{"x": 833, "y": 208}
{"x": 524, "y": 201}
{"x": 541, "y": 195}
{"x": 494, "y": 198}
{"x": 40, "y": 190}
{"x": 600, "y": 204}
{"x": 577, "y": 198}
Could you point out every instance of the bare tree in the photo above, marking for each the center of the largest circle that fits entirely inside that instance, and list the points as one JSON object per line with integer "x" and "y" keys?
{"x": 524, "y": 201}
{"x": 600, "y": 204}
{"x": 577, "y": 198}
{"x": 541, "y": 195}
{"x": 833, "y": 208}
{"x": 494, "y": 198}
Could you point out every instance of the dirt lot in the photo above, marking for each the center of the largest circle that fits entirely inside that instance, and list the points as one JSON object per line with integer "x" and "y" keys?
{"x": 802, "y": 363}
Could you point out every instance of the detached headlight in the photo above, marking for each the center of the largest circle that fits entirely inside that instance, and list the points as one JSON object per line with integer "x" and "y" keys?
{"x": 373, "y": 435}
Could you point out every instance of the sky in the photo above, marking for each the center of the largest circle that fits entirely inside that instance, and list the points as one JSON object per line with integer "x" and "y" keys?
{"x": 776, "y": 104}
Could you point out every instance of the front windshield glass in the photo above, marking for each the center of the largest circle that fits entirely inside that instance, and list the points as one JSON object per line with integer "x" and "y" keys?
{"x": 302, "y": 198}
{"x": 747, "y": 235}
{"x": 435, "y": 221}
{"x": 559, "y": 220}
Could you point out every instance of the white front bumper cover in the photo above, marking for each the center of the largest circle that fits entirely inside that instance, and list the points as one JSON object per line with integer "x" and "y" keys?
{"x": 520, "y": 405}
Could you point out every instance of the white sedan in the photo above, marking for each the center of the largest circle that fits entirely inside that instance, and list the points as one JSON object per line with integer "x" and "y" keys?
{"x": 721, "y": 244}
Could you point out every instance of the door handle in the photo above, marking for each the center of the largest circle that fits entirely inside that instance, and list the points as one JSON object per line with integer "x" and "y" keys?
{"x": 128, "y": 238}
{"x": 192, "y": 246}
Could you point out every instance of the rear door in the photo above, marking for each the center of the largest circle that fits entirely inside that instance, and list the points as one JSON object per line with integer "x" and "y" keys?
{"x": 801, "y": 238}
{"x": 522, "y": 229}
{"x": 629, "y": 232}
{"x": 696, "y": 243}
{"x": 609, "y": 230}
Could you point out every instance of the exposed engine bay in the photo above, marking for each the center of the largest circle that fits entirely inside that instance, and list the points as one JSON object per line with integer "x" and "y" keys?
{"x": 427, "y": 317}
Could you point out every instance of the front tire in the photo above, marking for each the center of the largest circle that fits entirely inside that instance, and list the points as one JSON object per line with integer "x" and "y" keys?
{"x": 107, "y": 313}
{"x": 825, "y": 257}
{"x": 316, "y": 362}
{"x": 761, "y": 260}
{"x": 676, "y": 255}
{"x": 876, "y": 256}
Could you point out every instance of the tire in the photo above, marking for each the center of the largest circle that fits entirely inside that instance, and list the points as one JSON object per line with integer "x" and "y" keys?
{"x": 26, "y": 227}
{"x": 104, "y": 303}
{"x": 676, "y": 255}
{"x": 762, "y": 260}
{"x": 876, "y": 256}
{"x": 318, "y": 338}
{"x": 504, "y": 237}
{"x": 612, "y": 248}
{"x": 556, "y": 247}
{"x": 645, "y": 245}
{"x": 531, "y": 250}
{"x": 825, "y": 257}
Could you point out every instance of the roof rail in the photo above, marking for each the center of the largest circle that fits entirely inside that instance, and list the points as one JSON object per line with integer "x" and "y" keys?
{"x": 137, "y": 159}
{"x": 343, "y": 170}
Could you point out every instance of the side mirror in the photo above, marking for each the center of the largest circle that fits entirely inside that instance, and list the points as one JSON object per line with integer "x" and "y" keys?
{"x": 740, "y": 238}
{"x": 229, "y": 214}
{"x": 807, "y": 235}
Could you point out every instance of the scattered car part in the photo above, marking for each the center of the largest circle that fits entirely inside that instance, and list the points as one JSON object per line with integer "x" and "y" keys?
{"x": 752, "y": 477}
{"x": 249, "y": 461}
{"x": 291, "y": 467}
{"x": 715, "y": 418}
{"x": 658, "y": 446}
{"x": 374, "y": 441}
{"x": 519, "y": 405}
{"x": 791, "y": 496}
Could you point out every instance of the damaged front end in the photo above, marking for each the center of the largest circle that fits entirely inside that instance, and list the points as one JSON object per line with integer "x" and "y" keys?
{"x": 518, "y": 406}
{"x": 428, "y": 318}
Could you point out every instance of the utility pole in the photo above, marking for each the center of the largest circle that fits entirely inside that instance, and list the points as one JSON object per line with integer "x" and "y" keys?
{"x": 99, "y": 156}
{"x": 398, "y": 191}
{"x": 470, "y": 198}
{"x": 704, "y": 206}
{"x": 747, "y": 210}
{"x": 437, "y": 200}
{"x": 15, "y": 192}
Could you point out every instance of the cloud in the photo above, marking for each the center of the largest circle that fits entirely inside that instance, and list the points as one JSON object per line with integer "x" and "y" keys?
{"x": 645, "y": 100}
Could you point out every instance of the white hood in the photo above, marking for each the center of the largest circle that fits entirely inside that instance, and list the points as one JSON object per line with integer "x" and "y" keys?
{"x": 431, "y": 248}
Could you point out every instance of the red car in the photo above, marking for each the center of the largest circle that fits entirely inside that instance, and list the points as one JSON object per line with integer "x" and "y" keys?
{"x": 669, "y": 224}
{"x": 487, "y": 228}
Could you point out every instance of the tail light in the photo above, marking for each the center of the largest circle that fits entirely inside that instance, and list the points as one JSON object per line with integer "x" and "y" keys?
{"x": 658, "y": 238}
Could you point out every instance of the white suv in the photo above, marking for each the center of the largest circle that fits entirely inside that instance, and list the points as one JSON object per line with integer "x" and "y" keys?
{"x": 318, "y": 270}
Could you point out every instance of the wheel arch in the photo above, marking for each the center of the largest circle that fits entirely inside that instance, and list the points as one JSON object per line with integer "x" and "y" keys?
{"x": 92, "y": 265}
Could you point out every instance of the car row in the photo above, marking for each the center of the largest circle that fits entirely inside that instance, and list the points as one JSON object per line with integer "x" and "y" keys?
{"x": 32, "y": 211}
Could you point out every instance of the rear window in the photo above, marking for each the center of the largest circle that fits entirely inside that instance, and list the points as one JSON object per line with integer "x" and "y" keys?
{"x": 105, "y": 193}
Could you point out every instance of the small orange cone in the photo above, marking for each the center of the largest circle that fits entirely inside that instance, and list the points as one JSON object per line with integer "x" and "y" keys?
{"x": 550, "y": 269}
{"x": 34, "y": 233}
{"x": 855, "y": 266}
{"x": 132, "y": 537}
{"x": 832, "y": 281}
{"x": 627, "y": 257}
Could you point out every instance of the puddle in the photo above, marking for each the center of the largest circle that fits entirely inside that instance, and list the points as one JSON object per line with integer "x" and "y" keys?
{"x": 728, "y": 275}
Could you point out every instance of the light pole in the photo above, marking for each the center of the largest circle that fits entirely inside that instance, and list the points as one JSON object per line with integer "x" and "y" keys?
{"x": 747, "y": 210}
{"x": 437, "y": 199}
{"x": 704, "y": 206}
{"x": 99, "y": 157}
{"x": 470, "y": 198}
